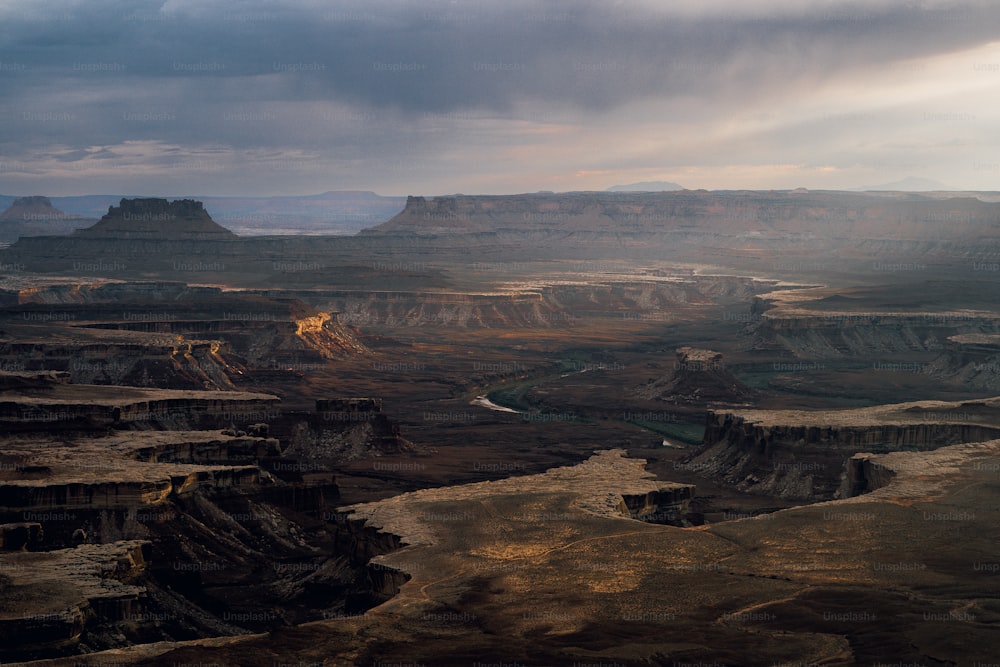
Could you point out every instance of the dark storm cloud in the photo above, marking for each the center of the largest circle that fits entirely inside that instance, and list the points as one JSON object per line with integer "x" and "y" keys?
{"x": 358, "y": 76}
{"x": 439, "y": 56}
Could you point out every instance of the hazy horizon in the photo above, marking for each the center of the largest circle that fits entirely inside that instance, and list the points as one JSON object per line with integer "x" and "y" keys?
{"x": 226, "y": 99}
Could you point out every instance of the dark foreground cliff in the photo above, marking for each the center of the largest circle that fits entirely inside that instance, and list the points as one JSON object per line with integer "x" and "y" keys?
{"x": 133, "y": 515}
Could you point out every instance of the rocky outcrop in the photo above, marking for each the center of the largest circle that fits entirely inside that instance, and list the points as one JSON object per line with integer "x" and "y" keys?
{"x": 236, "y": 523}
{"x": 666, "y": 505}
{"x": 99, "y": 406}
{"x": 802, "y": 455}
{"x": 969, "y": 360}
{"x": 819, "y": 323}
{"x": 61, "y": 591}
{"x": 697, "y": 376}
{"x": 158, "y": 219}
{"x": 198, "y": 447}
{"x": 166, "y": 334}
{"x": 340, "y": 430}
{"x": 266, "y": 341}
{"x": 864, "y": 473}
{"x": 443, "y": 309}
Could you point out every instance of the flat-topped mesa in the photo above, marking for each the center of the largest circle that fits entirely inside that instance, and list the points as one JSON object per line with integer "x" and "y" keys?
{"x": 827, "y": 215}
{"x": 158, "y": 219}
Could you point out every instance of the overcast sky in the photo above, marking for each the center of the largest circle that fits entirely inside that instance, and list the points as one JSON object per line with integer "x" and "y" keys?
{"x": 203, "y": 97}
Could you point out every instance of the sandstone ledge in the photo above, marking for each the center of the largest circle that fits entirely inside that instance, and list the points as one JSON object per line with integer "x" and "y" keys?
{"x": 53, "y": 593}
{"x": 126, "y": 470}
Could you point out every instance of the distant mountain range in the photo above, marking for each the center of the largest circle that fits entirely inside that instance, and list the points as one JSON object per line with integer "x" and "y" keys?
{"x": 908, "y": 184}
{"x": 646, "y": 186}
{"x": 334, "y": 212}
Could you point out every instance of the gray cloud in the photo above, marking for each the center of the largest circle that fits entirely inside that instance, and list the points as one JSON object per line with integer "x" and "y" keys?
{"x": 341, "y": 85}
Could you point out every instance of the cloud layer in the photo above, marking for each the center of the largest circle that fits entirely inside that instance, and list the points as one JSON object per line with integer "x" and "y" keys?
{"x": 440, "y": 96}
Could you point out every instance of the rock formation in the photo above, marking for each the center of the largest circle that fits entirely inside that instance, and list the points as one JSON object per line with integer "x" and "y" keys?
{"x": 969, "y": 360}
{"x": 767, "y": 214}
{"x": 168, "y": 335}
{"x": 89, "y": 407}
{"x": 839, "y": 230}
{"x": 803, "y": 454}
{"x": 35, "y": 215}
{"x": 158, "y": 219}
{"x": 139, "y": 530}
{"x": 697, "y": 376}
{"x": 35, "y": 208}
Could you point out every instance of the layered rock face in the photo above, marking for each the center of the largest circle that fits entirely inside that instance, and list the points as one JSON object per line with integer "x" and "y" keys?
{"x": 864, "y": 473}
{"x": 913, "y": 316}
{"x": 823, "y": 214}
{"x": 667, "y": 505}
{"x": 804, "y": 455}
{"x": 99, "y": 406}
{"x": 229, "y": 493}
{"x": 158, "y": 219}
{"x": 262, "y": 340}
{"x": 861, "y": 335}
{"x": 167, "y": 335}
{"x": 970, "y": 360}
{"x": 232, "y": 527}
{"x": 562, "y": 301}
{"x": 88, "y": 356}
{"x": 81, "y": 583}
{"x": 748, "y": 230}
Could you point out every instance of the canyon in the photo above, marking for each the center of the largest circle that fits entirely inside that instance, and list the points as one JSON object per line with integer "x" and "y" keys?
{"x": 728, "y": 427}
